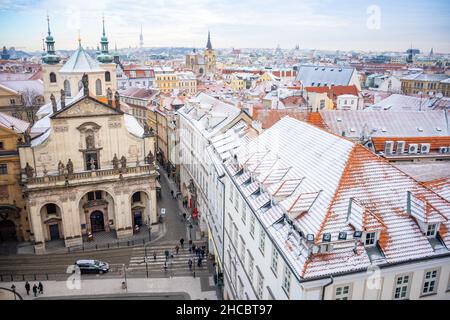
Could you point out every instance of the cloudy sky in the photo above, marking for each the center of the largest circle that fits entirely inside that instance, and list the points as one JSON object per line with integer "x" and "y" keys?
{"x": 319, "y": 24}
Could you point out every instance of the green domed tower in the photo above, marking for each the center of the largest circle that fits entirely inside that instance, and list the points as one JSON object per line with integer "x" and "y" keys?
{"x": 104, "y": 57}
{"x": 50, "y": 57}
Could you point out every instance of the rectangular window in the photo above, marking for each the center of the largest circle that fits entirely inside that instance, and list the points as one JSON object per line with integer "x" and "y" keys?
{"x": 260, "y": 285}
{"x": 402, "y": 286}
{"x": 243, "y": 251}
{"x": 274, "y": 264}
{"x": 430, "y": 281}
{"x": 3, "y": 168}
{"x": 262, "y": 240}
{"x": 2, "y": 146}
{"x": 431, "y": 230}
{"x": 252, "y": 226}
{"x": 251, "y": 263}
{"x": 286, "y": 284}
{"x": 370, "y": 239}
{"x": 342, "y": 293}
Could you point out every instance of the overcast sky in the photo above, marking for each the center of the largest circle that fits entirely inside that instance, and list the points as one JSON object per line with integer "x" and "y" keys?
{"x": 313, "y": 24}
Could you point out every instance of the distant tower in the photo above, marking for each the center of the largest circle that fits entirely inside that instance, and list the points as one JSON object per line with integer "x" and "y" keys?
{"x": 50, "y": 57}
{"x": 5, "y": 55}
{"x": 210, "y": 57}
{"x": 431, "y": 52}
{"x": 104, "y": 56}
{"x": 141, "y": 39}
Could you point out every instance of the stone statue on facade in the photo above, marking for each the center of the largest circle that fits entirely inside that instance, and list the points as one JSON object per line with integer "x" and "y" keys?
{"x": 115, "y": 162}
{"x": 60, "y": 168}
{"x": 85, "y": 82}
{"x": 63, "y": 99}
{"x": 27, "y": 136}
{"x": 117, "y": 100}
{"x": 53, "y": 101}
{"x": 123, "y": 162}
{"x": 146, "y": 129}
{"x": 29, "y": 171}
{"x": 109, "y": 96}
{"x": 69, "y": 166}
{"x": 150, "y": 158}
{"x": 92, "y": 164}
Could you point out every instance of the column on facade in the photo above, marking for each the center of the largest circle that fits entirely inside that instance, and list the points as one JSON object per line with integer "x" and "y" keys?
{"x": 36, "y": 225}
{"x": 153, "y": 210}
{"x": 71, "y": 223}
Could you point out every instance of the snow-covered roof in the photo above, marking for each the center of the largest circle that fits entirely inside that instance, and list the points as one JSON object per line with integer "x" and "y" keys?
{"x": 299, "y": 172}
{"x": 80, "y": 62}
{"x": 399, "y": 102}
{"x": 208, "y": 114}
{"x": 386, "y": 124}
{"x": 313, "y": 76}
{"x": 10, "y": 122}
{"x": 133, "y": 126}
{"x": 22, "y": 85}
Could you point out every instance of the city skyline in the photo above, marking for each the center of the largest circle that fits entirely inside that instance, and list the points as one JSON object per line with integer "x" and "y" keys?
{"x": 359, "y": 26}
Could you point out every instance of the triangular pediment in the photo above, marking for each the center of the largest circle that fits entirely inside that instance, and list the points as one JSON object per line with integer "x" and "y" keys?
{"x": 86, "y": 107}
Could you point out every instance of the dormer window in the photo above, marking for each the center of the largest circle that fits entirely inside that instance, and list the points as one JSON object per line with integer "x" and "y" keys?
{"x": 370, "y": 239}
{"x": 431, "y": 230}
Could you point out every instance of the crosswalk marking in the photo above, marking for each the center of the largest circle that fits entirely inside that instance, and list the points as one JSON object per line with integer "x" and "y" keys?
{"x": 176, "y": 266}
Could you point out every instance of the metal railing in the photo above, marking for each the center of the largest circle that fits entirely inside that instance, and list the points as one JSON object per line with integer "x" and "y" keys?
{"x": 90, "y": 174}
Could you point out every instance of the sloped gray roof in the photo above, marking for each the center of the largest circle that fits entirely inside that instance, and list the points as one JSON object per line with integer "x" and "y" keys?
{"x": 10, "y": 122}
{"x": 387, "y": 124}
{"x": 80, "y": 62}
{"x": 311, "y": 76}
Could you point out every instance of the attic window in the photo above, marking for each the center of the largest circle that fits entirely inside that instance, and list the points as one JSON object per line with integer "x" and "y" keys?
{"x": 371, "y": 238}
{"x": 420, "y": 129}
{"x": 431, "y": 230}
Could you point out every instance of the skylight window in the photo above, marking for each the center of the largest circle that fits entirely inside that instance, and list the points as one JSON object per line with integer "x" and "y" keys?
{"x": 420, "y": 129}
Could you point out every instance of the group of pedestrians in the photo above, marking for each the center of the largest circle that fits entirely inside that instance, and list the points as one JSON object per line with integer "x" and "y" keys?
{"x": 37, "y": 288}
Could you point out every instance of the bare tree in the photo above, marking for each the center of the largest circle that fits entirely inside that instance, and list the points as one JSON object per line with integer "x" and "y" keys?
{"x": 30, "y": 100}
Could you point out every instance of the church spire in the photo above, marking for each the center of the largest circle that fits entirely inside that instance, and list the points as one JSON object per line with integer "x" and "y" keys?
{"x": 104, "y": 56}
{"x": 50, "y": 57}
{"x": 208, "y": 44}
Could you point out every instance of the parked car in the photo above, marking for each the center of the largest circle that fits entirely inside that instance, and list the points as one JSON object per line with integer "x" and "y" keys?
{"x": 92, "y": 266}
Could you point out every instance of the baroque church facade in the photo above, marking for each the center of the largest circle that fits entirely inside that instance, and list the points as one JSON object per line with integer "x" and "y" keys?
{"x": 87, "y": 166}
{"x": 202, "y": 65}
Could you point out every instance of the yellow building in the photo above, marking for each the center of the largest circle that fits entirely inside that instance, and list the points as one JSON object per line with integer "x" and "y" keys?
{"x": 166, "y": 82}
{"x": 14, "y": 223}
{"x": 421, "y": 83}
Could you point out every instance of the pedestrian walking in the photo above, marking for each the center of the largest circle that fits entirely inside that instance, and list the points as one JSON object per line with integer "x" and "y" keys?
{"x": 203, "y": 253}
{"x": 165, "y": 265}
{"x": 193, "y": 248}
{"x": 167, "y": 254}
{"x": 190, "y": 264}
{"x": 177, "y": 248}
{"x": 182, "y": 242}
{"x": 41, "y": 288}
{"x": 199, "y": 262}
{"x": 154, "y": 255}
{"x": 27, "y": 288}
{"x": 184, "y": 216}
{"x": 35, "y": 290}
{"x": 171, "y": 192}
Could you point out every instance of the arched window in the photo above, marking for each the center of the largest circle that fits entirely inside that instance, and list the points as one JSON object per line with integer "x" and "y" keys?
{"x": 98, "y": 87}
{"x": 52, "y": 77}
{"x": 67, "y": 88}
{"x": 107, "y": 76}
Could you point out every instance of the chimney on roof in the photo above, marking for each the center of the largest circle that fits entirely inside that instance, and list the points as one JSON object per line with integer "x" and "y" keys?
{"x": 53, "y": 100}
